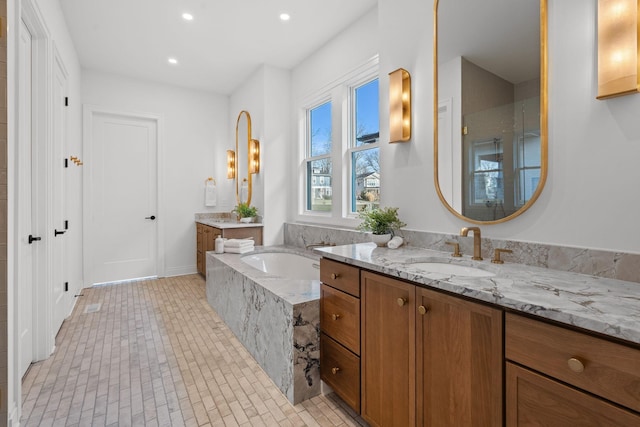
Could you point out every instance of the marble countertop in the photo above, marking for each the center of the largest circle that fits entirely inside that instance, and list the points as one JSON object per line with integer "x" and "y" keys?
{"x": 607, "y": 306}
{"x": 223, "y": 223}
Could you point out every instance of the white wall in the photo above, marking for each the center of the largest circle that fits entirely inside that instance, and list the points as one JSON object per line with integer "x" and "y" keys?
{"x": 193, "y": 145}
{"x": 591, "y": 198}
{"x": 266, "y": 96}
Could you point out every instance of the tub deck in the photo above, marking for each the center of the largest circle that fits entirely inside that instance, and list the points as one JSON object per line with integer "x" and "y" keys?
{"x": 276, "y": 319}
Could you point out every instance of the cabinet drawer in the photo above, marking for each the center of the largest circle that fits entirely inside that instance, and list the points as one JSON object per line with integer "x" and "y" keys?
{"x": 340, "y": 369}
{"x": 536, "y": 400}
{"x": 611, "y": 370}
{"x": 340, "y": 276}
{"x": 340, "y": 317}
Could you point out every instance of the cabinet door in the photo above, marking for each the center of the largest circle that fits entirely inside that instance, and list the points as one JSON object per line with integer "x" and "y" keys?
{"x": 459, "y": 362}
{"x": 534, "y": 400}
{"x": 387, "y": 351}
{"x": 200, "y": 245}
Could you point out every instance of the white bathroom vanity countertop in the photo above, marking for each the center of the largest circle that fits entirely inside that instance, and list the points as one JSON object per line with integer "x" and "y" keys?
{"x": 606, "y": 306}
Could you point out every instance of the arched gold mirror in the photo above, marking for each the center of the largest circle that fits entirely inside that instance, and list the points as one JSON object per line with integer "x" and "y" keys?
{"x": 243, "y": 162}
{"x": 490, "y": 106}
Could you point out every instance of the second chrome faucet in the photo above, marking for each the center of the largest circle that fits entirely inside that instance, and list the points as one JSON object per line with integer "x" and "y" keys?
{"x": 477, "y": 243}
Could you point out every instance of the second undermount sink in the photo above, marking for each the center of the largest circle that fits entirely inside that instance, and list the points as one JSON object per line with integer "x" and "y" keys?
{"x": 451, "y": 269}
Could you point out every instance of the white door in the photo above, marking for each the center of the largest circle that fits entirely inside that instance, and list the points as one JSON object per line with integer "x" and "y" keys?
{"x": 121, "y": 168}
{"x": 25, "y": 219}
{"x": 59, "y": 295}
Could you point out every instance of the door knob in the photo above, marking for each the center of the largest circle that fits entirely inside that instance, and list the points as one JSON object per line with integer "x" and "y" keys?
{"x": 401, "y": 301}
{"x": 152, "y": 217}
{"x": 34, "y": 239}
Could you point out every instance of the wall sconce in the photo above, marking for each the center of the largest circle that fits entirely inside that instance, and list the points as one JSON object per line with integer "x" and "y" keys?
{"x": 231, "y": 164}
{"x": 399, "y": 105}
{"x": 254, "y": 156}
{"x": 618, "y": 48}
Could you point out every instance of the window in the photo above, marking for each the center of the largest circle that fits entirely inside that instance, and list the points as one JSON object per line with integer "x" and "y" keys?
{"x": 319, "y": 194}
{"x": 487, "y": 176}
{"x": 340, "y": 130}
{"x": 527, "y": 166}
{"x": 364, "y": 150}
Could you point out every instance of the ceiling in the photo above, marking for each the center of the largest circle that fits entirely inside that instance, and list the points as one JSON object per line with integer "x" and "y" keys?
{"x": 225, "y": 42}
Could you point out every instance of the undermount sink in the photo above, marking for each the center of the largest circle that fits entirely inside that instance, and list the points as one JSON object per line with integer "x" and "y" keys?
{"x": 451, "y": 269}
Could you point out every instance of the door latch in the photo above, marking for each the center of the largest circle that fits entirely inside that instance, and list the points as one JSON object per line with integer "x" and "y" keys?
{"x": 56, "y": 233}
{"x": 34, "y": 239}
{"x": 152, "y": 217}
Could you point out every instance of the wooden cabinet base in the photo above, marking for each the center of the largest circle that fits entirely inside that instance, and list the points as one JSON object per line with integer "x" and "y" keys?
{"x": 535, "y": 400}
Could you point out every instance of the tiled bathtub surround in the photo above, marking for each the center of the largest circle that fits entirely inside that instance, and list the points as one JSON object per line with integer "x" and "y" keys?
{"x": 276, "y": 319}
{"x": 613, "y": 265}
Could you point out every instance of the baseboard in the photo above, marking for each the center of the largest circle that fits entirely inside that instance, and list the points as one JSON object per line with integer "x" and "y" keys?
{"x": 181, "y": 271}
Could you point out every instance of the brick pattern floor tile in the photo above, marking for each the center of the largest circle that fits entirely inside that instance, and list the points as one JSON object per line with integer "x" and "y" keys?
{"x": 156, "y": 354}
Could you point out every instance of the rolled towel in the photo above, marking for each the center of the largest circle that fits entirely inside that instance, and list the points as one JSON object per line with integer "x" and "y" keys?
{"x": 242, "y": 250}
{"x": 238, "y": 243}
{"x": 395, "y": 243}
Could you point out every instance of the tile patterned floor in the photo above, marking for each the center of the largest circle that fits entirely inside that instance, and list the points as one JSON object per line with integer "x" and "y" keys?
{"x": 156, "y": 354}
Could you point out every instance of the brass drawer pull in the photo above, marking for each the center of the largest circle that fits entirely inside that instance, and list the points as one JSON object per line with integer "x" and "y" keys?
{"x": 335, "y": 370}
{"x": 401, "y": 301}
{"x": 422, "y": 310}
{"x": 335, "y": 316}
{"x": 575, "y": 365}
{"x": 334, "y": 276}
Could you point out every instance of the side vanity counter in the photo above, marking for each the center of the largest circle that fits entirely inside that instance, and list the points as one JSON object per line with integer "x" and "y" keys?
{"x": 450, "y": 341}
{"x": 209, "y": 227}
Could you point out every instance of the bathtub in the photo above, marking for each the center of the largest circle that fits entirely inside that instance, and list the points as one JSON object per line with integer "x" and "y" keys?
{"x": 284, "y": 264}
{"x": 270, "y": 299}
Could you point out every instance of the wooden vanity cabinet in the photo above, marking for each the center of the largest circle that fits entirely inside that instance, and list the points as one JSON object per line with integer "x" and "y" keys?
{"x": 428, "y": 358}
{"x": 558, "y": 377}
{"x": 340, "y": 330}
{"x": 206, "y": 236}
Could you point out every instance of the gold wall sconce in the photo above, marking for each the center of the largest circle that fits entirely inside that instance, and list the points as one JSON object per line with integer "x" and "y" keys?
{"x": 618, "y": 48}
{"x": 231, "y": 164}
{"x": 254, "y": 156}
{"x": 399, "y": 105}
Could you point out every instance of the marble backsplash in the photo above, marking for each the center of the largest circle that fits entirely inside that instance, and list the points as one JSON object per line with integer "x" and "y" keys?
{"x": 613, "y": 265}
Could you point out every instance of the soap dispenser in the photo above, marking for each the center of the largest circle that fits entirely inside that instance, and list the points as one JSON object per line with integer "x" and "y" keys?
{"x": 219, "y": 244}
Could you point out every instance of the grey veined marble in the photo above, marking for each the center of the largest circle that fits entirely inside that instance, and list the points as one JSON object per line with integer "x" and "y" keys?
{"x": 276, "y": 319}
{"x": 598, "y": 304}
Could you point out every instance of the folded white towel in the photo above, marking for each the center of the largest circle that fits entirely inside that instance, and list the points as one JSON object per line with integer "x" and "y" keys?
{"x": 242, "y": 250}
{"x": 238, "y": 243}
{"x": 395, "y": 243}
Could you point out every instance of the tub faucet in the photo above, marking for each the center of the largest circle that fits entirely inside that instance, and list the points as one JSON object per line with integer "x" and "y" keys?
{"x": 477, "y": 245}
{"x": 318, "y": 245}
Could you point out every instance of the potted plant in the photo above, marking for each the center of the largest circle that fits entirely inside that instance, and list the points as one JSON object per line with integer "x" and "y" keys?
{"x": 246, "y": 212}
{"x": 381, "y": 222}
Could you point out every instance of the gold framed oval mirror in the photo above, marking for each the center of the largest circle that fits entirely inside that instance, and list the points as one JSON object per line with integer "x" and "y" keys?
{"x": 490, "y": 106}
{"x": 243, "y": 139}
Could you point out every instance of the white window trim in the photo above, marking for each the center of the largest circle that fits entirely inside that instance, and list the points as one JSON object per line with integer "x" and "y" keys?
{"x": 338, "y": 92}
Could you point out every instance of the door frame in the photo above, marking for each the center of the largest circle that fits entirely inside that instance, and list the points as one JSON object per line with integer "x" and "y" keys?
{"x": 88, "y": 113}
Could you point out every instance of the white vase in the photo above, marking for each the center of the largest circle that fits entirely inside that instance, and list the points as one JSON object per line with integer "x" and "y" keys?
{"x": 380, "y": 239}
{"x": 247, "y": 219}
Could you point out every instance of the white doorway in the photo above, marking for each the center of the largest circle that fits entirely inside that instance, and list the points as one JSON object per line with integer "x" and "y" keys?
{"x": 120, "y": 195}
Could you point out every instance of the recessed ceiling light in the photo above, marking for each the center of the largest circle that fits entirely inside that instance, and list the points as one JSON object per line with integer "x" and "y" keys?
{"x": 173, "y": 61}
{"x": 285, "y": 16}
{"x": 187, "y": 16}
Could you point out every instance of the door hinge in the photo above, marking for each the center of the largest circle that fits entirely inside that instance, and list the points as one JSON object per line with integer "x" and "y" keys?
{"x": 66, "y": 163}
{"x": 465, "y": 130}
{"x": 66, "y": 101}
{"x": 66, "y": 286}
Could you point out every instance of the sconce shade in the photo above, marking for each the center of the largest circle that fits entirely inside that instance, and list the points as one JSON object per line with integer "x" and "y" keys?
{"x": 618, "y": 48}
{"x": 254, "y": 156}
{"x": 399, "y": 105}
{"x": 231, "y": 164}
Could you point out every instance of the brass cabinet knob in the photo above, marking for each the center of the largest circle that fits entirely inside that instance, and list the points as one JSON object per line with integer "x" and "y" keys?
{"x": 335, "y": 370}
{"x": 401, "y": 301}
{"x": 334, "y": 276}
{"x": 335, "y": 316}
{"x": 422, "y": 310}
{"x": 575, "y": 365}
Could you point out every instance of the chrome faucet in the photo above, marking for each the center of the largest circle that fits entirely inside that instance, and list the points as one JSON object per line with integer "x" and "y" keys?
{"x": 318, "y": 245}
{"x": 477, "y": 245}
